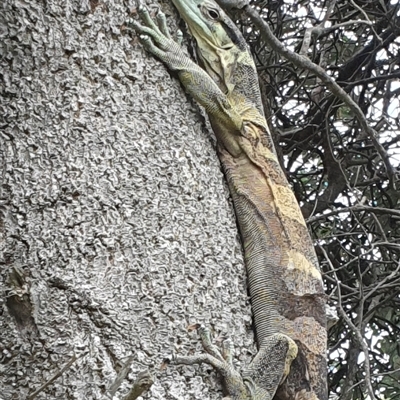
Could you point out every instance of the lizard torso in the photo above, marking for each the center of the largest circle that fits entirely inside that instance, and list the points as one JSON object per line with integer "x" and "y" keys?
{"x": 285, "y": 285}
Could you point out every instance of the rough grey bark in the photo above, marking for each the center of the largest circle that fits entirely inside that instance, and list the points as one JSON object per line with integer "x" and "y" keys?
{"x": 116, "y": 226}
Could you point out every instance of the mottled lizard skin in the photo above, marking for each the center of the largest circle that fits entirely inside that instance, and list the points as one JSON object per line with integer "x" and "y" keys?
{"x": 285, "y": 284}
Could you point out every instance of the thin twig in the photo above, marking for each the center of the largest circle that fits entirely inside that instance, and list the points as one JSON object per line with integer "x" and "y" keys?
{"x": 383, "y": 282}
{"x": 372, "y": 79}
{"x": 51, "y": 380}
{"x": 377, "y": 375}
{"x": 121, "y": 376}
{"x": 142, "y": 383}
{"x": 320, "y": 31}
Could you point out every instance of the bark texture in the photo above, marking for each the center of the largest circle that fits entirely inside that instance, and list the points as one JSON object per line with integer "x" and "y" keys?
{"x": 116, "y": 227}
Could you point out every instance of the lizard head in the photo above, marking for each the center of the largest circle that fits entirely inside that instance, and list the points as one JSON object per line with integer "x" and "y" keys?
{"x": 220, "y": 45}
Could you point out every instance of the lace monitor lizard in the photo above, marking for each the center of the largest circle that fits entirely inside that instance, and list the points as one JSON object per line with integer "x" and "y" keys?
{"x": 285, "y": 284}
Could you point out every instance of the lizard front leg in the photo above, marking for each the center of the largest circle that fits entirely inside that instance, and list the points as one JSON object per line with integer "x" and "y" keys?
{"x": 157, "y": 40}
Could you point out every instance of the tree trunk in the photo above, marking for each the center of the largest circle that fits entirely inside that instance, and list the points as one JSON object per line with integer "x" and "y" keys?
{"x": 116, "y": 227}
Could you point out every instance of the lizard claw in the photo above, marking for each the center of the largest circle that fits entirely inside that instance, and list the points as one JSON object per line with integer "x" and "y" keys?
{"x": 162, "y": 24}
{"x": 227, "y": 350}
{"x": 179, "y": 37}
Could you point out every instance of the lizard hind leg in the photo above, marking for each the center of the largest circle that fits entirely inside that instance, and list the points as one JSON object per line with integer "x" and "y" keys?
{"x": 222, "y": 362}
{"x": 260, "y": 380}
{"x": 270, "y": 366}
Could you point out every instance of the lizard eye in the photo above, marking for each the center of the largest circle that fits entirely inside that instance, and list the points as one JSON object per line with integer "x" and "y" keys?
{"x": 213, "y": 14}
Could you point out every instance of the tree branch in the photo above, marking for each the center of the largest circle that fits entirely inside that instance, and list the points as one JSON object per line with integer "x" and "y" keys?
{"x": 357, "y": 332}
{"x": 307, "y": 64}
{"x": 376, "y": 210}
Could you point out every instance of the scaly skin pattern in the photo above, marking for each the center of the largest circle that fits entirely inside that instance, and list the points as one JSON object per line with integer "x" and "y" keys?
{"x": 284, "y": 279}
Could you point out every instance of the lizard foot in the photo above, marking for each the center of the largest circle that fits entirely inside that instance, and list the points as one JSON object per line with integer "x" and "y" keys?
{"x": 156, "y": 38}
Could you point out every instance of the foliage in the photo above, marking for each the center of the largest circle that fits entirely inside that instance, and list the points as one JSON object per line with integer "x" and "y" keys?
{"x": 347, "y": 195}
